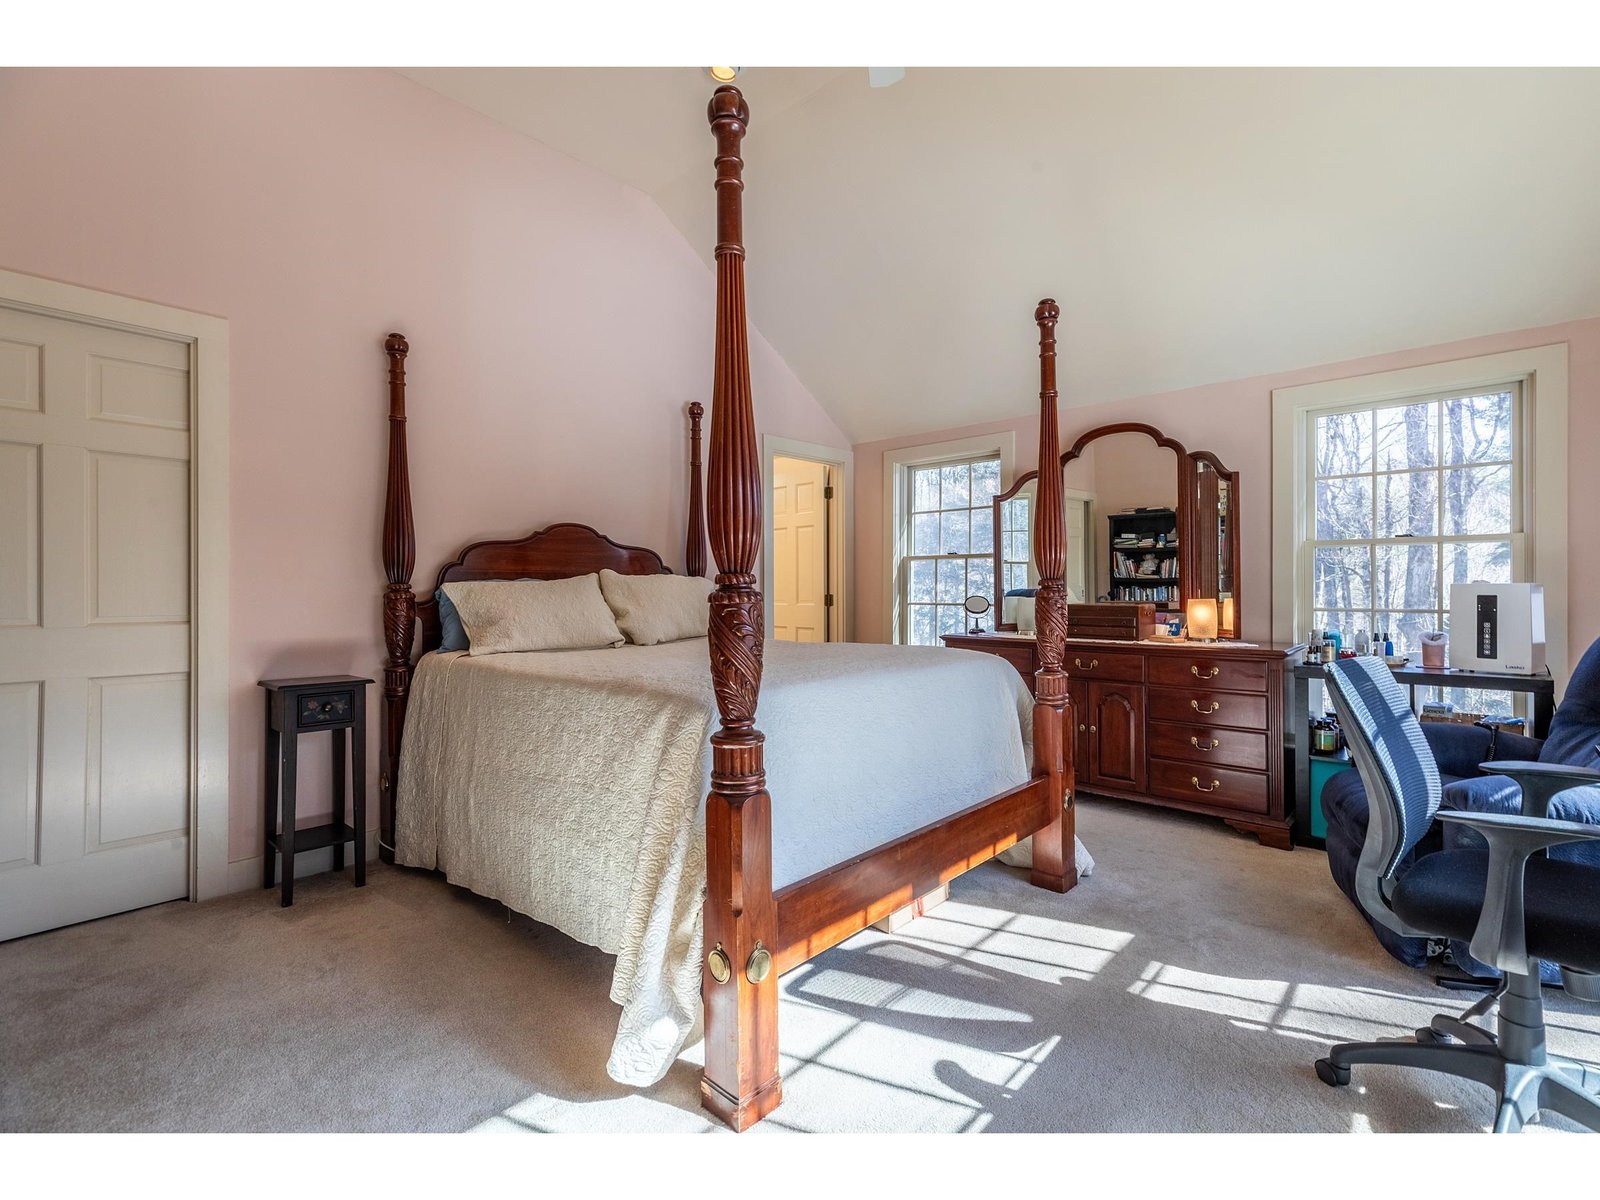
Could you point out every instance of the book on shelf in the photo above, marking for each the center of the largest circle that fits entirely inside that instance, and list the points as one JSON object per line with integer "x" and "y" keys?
{"x": 1142, "y": 566}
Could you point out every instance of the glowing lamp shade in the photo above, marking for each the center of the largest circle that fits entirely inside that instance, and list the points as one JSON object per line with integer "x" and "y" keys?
{"x": 1202, "y": 620}
{"x": 1227, "y": 617}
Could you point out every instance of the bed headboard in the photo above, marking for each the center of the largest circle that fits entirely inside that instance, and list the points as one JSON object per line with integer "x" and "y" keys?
{"x": 554, "y": 552}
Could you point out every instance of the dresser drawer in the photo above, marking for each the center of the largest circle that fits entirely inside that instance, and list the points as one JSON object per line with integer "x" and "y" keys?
{"x": 1206, "y": 745}
{"x": 1099, "y": 664}
{"x": 324, "y": 708}
{"x": 1204, "y": 707}
{"x": 1219, "y": 787}
{"x": 1204, "y": 670}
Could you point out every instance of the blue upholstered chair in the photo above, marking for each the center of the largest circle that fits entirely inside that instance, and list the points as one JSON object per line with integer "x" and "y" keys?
{"x": 1516, "y": 904}
{"x": 1461, "y": 752}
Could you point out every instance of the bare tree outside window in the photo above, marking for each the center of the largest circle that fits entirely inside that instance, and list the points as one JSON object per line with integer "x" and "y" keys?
{"x": 1409, "y": 498}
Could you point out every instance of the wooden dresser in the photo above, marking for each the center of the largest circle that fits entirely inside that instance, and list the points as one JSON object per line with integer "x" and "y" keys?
{"x": 1189, "y": 725}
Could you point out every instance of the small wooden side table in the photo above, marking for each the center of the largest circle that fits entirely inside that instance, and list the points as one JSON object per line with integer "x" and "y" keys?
{"x": 295, "y": 706}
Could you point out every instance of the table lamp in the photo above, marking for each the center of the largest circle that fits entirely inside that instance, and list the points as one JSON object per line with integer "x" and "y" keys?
{"x": 1227, "y": 617}
{"x": 1201, "y": 616}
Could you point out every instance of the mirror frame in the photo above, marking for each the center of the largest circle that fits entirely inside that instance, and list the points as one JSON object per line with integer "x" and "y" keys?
{"x": 1189, "y": 475}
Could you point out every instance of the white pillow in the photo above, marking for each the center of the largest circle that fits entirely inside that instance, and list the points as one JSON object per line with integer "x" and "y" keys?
{"x": 658, "y": 608}
{"x": 502, "y": 616}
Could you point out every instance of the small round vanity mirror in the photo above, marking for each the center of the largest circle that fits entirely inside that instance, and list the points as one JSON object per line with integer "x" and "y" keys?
{"x": 977, "y": 606}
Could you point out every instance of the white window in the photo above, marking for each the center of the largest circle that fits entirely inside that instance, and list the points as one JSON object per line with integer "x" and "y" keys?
{"x": 1406, "y": 499}
{"x": 949, "y": 536}
{"x": 1389, "y": 487}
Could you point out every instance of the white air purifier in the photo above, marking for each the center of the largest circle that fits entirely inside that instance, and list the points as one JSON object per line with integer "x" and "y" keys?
{"x": 1497, "y": 627}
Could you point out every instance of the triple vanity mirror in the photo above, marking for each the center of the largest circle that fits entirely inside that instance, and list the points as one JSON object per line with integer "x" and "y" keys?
{"x": 1146, "y": 520}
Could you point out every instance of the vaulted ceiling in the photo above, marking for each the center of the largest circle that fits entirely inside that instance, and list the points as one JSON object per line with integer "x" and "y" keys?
{"x": 1195, "y": 225}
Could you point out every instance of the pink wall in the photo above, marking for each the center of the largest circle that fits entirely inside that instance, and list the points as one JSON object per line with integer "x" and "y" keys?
{"x": 1234, "y": 420}
{"x": 558, "y": 326}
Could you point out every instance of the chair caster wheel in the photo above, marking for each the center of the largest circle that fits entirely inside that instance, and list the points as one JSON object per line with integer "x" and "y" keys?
{"x": 1429, "y": 1036}
{"x": 1333, "y": 1076}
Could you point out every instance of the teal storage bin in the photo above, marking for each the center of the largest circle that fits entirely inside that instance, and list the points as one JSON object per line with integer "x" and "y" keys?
{"x": 1323, "y": 768}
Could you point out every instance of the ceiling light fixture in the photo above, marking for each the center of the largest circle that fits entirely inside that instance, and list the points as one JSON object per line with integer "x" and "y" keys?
{"x": 724, "y": 74}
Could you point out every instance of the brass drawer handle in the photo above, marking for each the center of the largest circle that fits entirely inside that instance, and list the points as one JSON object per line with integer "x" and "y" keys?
{"x": 1195, "y": 779}
{"x": 1205, "y": 712}
{"x": 1093, "y": 663}
{"x": 1092, "y": 729}
{"x": 1211, "y": 674}
{"x": 1212, "y": 743}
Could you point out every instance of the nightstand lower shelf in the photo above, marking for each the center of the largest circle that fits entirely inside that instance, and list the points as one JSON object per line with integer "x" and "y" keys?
{"x": 314, "y": 837}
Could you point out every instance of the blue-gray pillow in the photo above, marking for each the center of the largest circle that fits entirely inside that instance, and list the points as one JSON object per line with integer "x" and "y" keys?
{"x": 452, "y": 634}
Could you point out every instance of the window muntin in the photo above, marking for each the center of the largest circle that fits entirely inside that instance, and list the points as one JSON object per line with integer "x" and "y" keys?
{"x": 949, "y": 537}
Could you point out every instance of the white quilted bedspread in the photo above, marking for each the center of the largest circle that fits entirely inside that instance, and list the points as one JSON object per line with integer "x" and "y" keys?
{"x": 570, "y": 786}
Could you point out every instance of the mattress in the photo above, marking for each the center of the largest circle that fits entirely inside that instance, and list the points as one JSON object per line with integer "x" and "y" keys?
{"x": 570, "y": 786}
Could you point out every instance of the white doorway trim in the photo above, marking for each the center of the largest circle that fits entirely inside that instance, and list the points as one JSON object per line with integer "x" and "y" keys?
{"x": 843, "y": 531}
{"x": 208, "y": 546}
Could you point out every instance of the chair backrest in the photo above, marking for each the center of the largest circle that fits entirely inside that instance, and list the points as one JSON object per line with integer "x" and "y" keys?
{"x": 1574, "y": 737}
{"x": 1397, "y": 768}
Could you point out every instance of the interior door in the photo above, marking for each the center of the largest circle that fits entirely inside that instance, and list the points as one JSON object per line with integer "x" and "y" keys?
{"x": 799, "y": 550}
{"x": 1116, "y": 734}
{"x": 94, "y": 621}
{"x": 1077, "y": 562}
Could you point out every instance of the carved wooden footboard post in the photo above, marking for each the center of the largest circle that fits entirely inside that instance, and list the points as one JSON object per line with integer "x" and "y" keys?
{"x": 739, "y": 979}
{"x": 1054, "y": 862}
{"x": 399, "y": 602}
{"x": 694, "y": 546}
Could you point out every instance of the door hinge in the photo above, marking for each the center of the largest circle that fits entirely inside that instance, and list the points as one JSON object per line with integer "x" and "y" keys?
{"x": 827, "y": 600}
{"x": 827, "y": 492}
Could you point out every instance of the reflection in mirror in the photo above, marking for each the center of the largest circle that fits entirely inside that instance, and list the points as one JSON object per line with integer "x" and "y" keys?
{"x": 1014, "y": 565}
{"x": 1137, "y": 492}
{"x": 1016, "y": 540}
{"x": 1213, "y": 529}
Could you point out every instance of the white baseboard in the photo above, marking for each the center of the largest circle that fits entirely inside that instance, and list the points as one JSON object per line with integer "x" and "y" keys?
{"x": 246, "y": 873}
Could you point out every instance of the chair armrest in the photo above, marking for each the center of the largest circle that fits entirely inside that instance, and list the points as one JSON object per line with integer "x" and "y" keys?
{"x": 1501, "y": 939}
{"x": 1541, "y": 782}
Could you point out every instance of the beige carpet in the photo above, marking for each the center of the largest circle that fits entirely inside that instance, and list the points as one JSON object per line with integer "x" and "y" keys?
{"x": 1187, "y": 985}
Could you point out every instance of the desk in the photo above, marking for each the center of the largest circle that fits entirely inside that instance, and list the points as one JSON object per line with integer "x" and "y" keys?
{"x": 1542, "y": 688}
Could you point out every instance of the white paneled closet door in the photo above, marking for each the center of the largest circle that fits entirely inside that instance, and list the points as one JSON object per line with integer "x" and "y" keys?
{"x": 94, "y": 621}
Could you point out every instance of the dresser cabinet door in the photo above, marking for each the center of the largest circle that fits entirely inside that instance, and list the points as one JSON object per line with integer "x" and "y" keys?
{"x": 1116, "y": 734}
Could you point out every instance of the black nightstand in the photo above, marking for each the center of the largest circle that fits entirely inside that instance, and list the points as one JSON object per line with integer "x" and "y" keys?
{"x": 295, "y": 706}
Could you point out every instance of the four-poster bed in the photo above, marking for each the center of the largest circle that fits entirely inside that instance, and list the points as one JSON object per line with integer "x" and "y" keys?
{"x": 751, "y": 931}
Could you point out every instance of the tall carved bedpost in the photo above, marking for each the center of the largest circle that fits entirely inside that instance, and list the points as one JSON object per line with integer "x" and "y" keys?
{"x": 1054, "y": 862}
{"x": 399, "y": 602}
{"x": 694, "y": 547}
{"x": 739, "y": 980}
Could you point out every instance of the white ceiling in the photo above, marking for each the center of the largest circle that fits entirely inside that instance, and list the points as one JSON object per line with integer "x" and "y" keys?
{"x": 1196, "y": 225}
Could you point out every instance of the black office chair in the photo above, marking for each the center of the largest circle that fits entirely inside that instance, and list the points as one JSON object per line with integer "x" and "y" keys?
{"x": 1515, "y": 904}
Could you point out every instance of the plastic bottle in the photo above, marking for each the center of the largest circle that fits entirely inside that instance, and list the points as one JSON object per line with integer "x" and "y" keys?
{"x": 1388, "y": 646}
